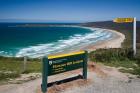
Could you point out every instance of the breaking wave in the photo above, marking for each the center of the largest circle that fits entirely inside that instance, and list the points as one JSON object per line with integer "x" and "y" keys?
{"x": 76, "y": 41}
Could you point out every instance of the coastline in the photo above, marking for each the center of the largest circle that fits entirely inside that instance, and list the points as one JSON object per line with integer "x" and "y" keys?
{"x": 73, "y": 47}
{"x": 115, "y": 42}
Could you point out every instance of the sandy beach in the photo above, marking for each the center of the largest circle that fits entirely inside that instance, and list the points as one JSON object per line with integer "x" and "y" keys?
{"x": 115, "y": 42}
{"x": 79, "y": 38}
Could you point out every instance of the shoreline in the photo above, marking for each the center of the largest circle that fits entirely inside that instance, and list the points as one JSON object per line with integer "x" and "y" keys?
{"x": 115, "y": 42}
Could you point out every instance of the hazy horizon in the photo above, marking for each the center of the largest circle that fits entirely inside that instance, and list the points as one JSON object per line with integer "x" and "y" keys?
{"x": 67, "y": 10}
{"x": 44, "y": 21}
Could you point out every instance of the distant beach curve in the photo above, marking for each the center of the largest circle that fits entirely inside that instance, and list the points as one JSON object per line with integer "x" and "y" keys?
{"x": 40, "y": 41}
{"x": 115, "y": 42}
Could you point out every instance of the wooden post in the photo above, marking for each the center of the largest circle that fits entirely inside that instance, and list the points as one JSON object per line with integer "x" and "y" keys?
{"x": 24, "y": 64}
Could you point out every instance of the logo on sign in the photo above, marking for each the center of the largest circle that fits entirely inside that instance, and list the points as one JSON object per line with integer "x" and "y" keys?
{"x": 50, "y": 62}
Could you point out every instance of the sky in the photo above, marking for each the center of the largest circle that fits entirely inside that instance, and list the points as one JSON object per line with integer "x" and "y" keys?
{"x": 67, "y": 10}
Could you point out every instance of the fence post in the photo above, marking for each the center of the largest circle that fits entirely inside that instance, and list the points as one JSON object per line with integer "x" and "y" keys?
{"x": 24, "y": 63}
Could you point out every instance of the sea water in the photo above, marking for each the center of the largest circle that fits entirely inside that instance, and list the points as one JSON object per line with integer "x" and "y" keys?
{"x": 18, "y": 40}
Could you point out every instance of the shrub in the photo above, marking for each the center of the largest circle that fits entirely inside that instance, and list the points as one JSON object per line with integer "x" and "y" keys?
{"x": 114, "y": 54}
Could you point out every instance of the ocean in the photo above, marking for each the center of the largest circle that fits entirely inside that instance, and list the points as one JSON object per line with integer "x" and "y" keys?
{"x": 37, "y": 40}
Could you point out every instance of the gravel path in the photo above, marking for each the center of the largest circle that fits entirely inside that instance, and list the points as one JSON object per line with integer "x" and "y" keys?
{"x": 108, "y": 80}
{"x": 108, "y": 85}
{"x": 102, "y": 80}
{"x": 28, "y": 87}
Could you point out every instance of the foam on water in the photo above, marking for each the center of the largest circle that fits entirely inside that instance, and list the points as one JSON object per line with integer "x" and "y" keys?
{"x": 74, "y": 42}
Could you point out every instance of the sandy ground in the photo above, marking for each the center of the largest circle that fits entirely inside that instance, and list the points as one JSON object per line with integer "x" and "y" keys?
{"x": 111, "y": 82}
{"x": 101, "y": 79}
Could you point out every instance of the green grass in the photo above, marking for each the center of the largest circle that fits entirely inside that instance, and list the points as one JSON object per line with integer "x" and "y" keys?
{"x": 125, "y": 64}
{"x": 129, "y": 66}
{"x": 120, "y": 58}
{"x": 113, "y": 54}
{"x": 13, "y": 67}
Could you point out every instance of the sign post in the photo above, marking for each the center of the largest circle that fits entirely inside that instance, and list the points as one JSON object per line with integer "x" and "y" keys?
{"x": 85, "y": 65}
{"x": 62, "y": 63}
{"x": 129, "y": 20}
{"x": 44, "y": 75}
{"x": 134, "y": 36}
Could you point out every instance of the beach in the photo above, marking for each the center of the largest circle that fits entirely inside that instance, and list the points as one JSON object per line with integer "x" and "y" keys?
{"x": 52, "y": 39}
{"x": 115, "y": 42}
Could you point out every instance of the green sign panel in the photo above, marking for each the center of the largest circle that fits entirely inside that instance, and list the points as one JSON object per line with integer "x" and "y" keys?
{"x": 66, "y": 63}
{"x": 61, "y": 63}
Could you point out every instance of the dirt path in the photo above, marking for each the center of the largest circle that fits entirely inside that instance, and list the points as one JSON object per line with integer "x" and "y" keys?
{"x": 101, "y": 79}
{"x": 112, "y": 82}
{"x": 28, "y": 87}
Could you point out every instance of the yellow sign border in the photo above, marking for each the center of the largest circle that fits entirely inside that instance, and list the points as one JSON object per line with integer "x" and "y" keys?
{"x": 64, "y": 55}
